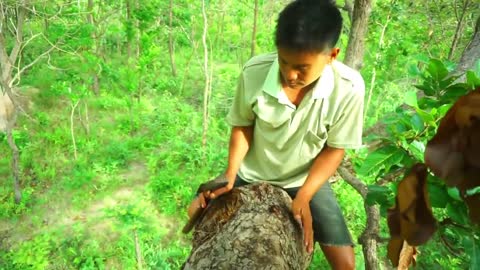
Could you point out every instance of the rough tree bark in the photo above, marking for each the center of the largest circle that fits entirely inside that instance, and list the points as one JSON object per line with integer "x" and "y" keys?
{"x": 249, "y": 228}
{"x": 459, "y": 29}
{"x": 471, "y": 54}
{"x": 7, "y": 61}
{"x": 358, "y": 30}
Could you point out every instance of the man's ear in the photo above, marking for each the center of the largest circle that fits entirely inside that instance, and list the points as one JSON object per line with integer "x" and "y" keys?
{"x": 334, "y": 53}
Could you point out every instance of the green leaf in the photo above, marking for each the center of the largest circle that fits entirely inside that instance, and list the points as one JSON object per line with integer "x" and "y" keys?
{"x": 472, "y": 247}
{"x": 426, "y": 117}
{"x": 413, "y": 70}
{"x": 417, "y": 123}
{"x": 458, "y": 212}
{"x": 438, "y": 195}
{"x": 472, "y": 79}
{"x": 454, "y": 193}
{"x": 437, "y": 69}
{"x": 411, "y": 98}
{"x": 427, "y": 89}
{"x": 473, "y": 191}
{"x": 417, "y": 149}
{"x": 381, "y": 195}
{"x": 382, "y": 158}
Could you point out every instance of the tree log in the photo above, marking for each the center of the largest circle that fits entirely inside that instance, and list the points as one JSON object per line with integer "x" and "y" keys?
{"x": 251, "y": 227}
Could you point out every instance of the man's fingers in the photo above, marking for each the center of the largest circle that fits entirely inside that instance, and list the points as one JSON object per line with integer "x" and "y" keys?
{"x": 220, "y": 191}
{"x": 308, "y": 231}
{"x": 298, "y": 218}
{"x": 202, "y": 201}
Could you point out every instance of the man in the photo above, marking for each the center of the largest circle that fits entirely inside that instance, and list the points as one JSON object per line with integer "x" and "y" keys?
{"x": 293, "y": 115}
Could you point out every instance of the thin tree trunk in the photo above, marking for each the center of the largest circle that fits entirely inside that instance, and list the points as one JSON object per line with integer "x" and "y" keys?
{"x": 129, "y": 39}
{"x": 72, "y": 133}
{"x": 377, "y": 58}
{"x": 91, "y": 21}
{"x": 207, "y": 79}
{"x": 171, "y": 46}
{"x": 458, "y": 30}
{"x": 138, "y": 34}
{"x": 471, "y": 54}
{"x": 138, "y": 251}
{"x": 15, "y": 158}
{"x": 254, "y": 30}
{"x": 6, "y": 63}
{"x": 368, "y": 238}
{"x": 356, "y": 40}
{"x": 85, "y": 124}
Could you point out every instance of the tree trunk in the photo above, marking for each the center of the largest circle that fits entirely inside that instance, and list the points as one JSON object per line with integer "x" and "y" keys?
{"x": 129, "y": 38}
{"x": 91, "y": 21}
{"x": 15, "y": 158}
{"x": 251, "y": 227}
{"x": 358, "y": 31}
{"x": 458, "y": 30}
{"x": 206, "y": 92}
{"x": 254, "y": 29}
{"x": 471, "y": 54}
{"x": 171, "y": 46}
{"x": 369, "y": 237}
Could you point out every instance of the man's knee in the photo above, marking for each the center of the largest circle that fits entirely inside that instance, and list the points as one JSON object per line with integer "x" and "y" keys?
{"x": 339, "y": 258}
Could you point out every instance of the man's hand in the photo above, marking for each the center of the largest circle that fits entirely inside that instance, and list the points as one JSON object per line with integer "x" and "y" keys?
{"x": 212, "y": 193}
{"x": 301, "y": 213}
{"x": 206, "y": 191}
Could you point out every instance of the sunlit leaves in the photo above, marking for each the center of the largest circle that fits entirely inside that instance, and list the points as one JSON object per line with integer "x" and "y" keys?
{"x": 381, "y": 159}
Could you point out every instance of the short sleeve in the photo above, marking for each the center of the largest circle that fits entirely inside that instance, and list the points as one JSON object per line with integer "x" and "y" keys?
{"x": 241, "y": 113}
{"x": 346, "y": 132}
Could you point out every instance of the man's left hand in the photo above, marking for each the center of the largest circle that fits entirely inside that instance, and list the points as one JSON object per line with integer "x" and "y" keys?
{"x": 301, "y": 213}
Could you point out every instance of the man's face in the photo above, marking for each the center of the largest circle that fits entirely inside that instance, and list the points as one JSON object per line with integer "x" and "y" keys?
{"x": 300, "y": 69}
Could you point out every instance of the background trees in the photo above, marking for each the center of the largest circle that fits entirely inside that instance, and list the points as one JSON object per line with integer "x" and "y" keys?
{"x": 109, "y": 104}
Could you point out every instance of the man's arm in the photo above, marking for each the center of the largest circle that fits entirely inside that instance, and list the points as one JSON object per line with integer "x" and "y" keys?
{"x": 323, "y": 167}
{"x": 240, "y": 141}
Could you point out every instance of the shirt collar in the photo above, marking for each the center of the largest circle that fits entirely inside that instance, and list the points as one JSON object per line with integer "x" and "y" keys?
{"x": 322, "y": 89}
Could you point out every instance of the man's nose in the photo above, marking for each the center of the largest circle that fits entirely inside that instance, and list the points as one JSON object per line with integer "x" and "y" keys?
{"x": 292, "y": 75}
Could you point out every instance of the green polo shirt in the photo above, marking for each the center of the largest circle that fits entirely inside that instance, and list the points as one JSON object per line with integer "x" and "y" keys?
{"x": 286, "y": 138}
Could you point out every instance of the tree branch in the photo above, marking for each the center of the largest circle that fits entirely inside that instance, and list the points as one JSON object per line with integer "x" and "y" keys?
{"x": 356, "y": 183}
{"x": 19, "y": 35}
{"x": 18, "y": 74}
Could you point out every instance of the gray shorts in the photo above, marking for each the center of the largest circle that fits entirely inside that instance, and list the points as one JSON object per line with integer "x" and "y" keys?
{"x": 329, "y": 227}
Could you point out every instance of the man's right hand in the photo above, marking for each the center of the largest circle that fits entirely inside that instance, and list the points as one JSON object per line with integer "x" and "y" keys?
{"x": 210, "y": 190}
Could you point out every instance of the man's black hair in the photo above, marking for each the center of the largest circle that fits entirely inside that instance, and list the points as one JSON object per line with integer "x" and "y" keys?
{"x": 308, "y": 25}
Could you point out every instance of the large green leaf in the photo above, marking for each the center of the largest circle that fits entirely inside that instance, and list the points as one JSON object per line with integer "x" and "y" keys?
{"x": 437, "y": 69}
{"x": 458, "y": 212}
{"x": 383, "y": 158}
{"x": 454, "y": 193}
{"x": 417, "y": 123}
{"x": 411, "y": 98}
{"x": 472, "y": 247}
{"x": 417, "y": 149}
{"x": 379, "y": 195}
{"x": 438, "y": 195}
{"x": 473, "y": 191}
{"x": 427, "y": 118}
{"x": 472, "y": 79}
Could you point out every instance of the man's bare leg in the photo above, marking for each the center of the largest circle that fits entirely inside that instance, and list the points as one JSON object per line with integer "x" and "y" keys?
{"x": 339, "y": 257}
